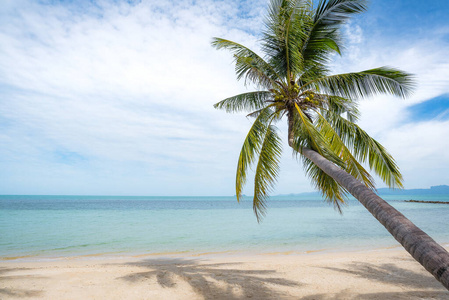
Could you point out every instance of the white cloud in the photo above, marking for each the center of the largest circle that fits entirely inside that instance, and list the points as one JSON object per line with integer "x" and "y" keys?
{"x": 421, "y": 151}
{"x": 120, "y": 83}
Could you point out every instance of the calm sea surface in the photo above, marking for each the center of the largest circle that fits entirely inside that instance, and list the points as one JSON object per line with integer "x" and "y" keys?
{"x": 53, "y": 226}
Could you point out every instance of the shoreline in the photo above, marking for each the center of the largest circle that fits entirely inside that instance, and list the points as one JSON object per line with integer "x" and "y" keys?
{"x": 193, "y": 254}
{"x": 198, "y": 254}
{"x": 388, "y": 273}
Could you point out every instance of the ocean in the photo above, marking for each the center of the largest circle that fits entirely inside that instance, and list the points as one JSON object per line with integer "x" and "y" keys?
{"x": 66, "y": 226}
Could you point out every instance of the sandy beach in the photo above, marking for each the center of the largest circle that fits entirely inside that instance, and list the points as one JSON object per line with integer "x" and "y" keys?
{"x": 379, "y": 274}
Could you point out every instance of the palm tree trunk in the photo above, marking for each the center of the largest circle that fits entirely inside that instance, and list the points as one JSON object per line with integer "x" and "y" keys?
{"x": 422, "y": 247}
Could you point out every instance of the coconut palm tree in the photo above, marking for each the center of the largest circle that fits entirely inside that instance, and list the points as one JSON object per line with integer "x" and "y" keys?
{"x": 294, "y": 83}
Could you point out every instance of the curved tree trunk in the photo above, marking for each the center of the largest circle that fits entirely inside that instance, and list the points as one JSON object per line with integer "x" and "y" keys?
{"x": 422, "y": 247}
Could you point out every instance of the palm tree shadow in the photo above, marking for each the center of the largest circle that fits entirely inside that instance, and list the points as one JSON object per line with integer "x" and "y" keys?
{"x": 424, "y": 285}
{"x": 391, "y": 274}
{"x": 14, "y": 292}
{"x": 411, "y": 295}
{"x": 213, "y": 280}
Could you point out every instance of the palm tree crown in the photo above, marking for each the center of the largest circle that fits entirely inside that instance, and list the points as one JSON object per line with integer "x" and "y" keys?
{"x": 294, "y": 82}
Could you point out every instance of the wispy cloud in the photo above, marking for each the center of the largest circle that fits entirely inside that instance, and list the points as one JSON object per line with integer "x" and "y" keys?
{"x": 117, "y": 82}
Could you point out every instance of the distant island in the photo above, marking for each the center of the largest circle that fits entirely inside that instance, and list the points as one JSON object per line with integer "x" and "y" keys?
{"x": 433, "y": 190}
{"x": 433, "y": 202}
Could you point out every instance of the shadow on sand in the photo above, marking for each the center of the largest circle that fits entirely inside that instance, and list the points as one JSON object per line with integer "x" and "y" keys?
{"x": 213, "y": 281}
{"x": 226, "y": 281}
{"x": 424, "y": 286}
{"x": 5, "y": 291}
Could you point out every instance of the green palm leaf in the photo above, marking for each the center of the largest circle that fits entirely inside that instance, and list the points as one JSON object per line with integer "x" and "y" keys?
{"x": 323, "y": 34}
{"x": 266, "y": 171}
{"x": 364, "y": 84}
{"x": 308, "y": 136}
{"x": 251, "y": 148}
{"x": 333, "y": 13}
{"x": 330, "y": 189}
{"x": 352, "y": 166}
{"x": 245, "y": 102}
{"x": 284, "y": 32}
{"x": 313, "y": 136}
{"x": 248, "y": 64}
{"x": 367, "y": 149}
{"x": 339, "y": 106}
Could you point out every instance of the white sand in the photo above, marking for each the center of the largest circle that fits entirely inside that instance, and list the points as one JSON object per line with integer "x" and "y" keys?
{"x": 382, "y": 274}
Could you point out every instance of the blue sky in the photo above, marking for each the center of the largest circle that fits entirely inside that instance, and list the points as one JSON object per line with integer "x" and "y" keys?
{"x": 434, "y": 109}
{"x": 115, "y": 97}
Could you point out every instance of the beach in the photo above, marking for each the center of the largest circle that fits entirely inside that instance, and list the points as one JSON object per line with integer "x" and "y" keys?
{"x": 111, "y": 247}
{"x": 377, "y": 274}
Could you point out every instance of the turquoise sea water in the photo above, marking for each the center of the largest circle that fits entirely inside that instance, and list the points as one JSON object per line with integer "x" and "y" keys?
{"x": 54, "y": 226}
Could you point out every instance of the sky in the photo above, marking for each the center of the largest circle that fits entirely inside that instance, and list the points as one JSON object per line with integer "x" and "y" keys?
{"x": 116, "y": 97}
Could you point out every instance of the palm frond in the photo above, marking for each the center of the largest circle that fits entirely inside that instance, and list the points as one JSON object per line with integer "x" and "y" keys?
{"x": 332, "y": 191}
{"x": 245, "y": 102}
{"x": 364, "y": 84}
{"x": 283, "y": 33}
{"x": 267, "y": 170}
{"x": 352, "y": 166}
{"x": 335, "y": 12}
{"x": 248, "y": 64}
{"x": 381, "y": 162}
{"x": 314, "y": 138}
{"x": 323, "y": 38}
{"x": 271, "y": 109}
{"x": 250, "y": 149}
{"x": 340, "y": 106}
{"x": 367, "y": 149}
{"x": 308, "y": 136}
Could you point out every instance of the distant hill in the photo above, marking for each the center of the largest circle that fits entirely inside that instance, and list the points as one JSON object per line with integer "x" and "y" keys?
{"x": 433, "y": 190}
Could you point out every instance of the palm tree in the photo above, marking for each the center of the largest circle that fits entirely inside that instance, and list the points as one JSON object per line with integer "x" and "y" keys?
{"x": 294, "y": 83}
